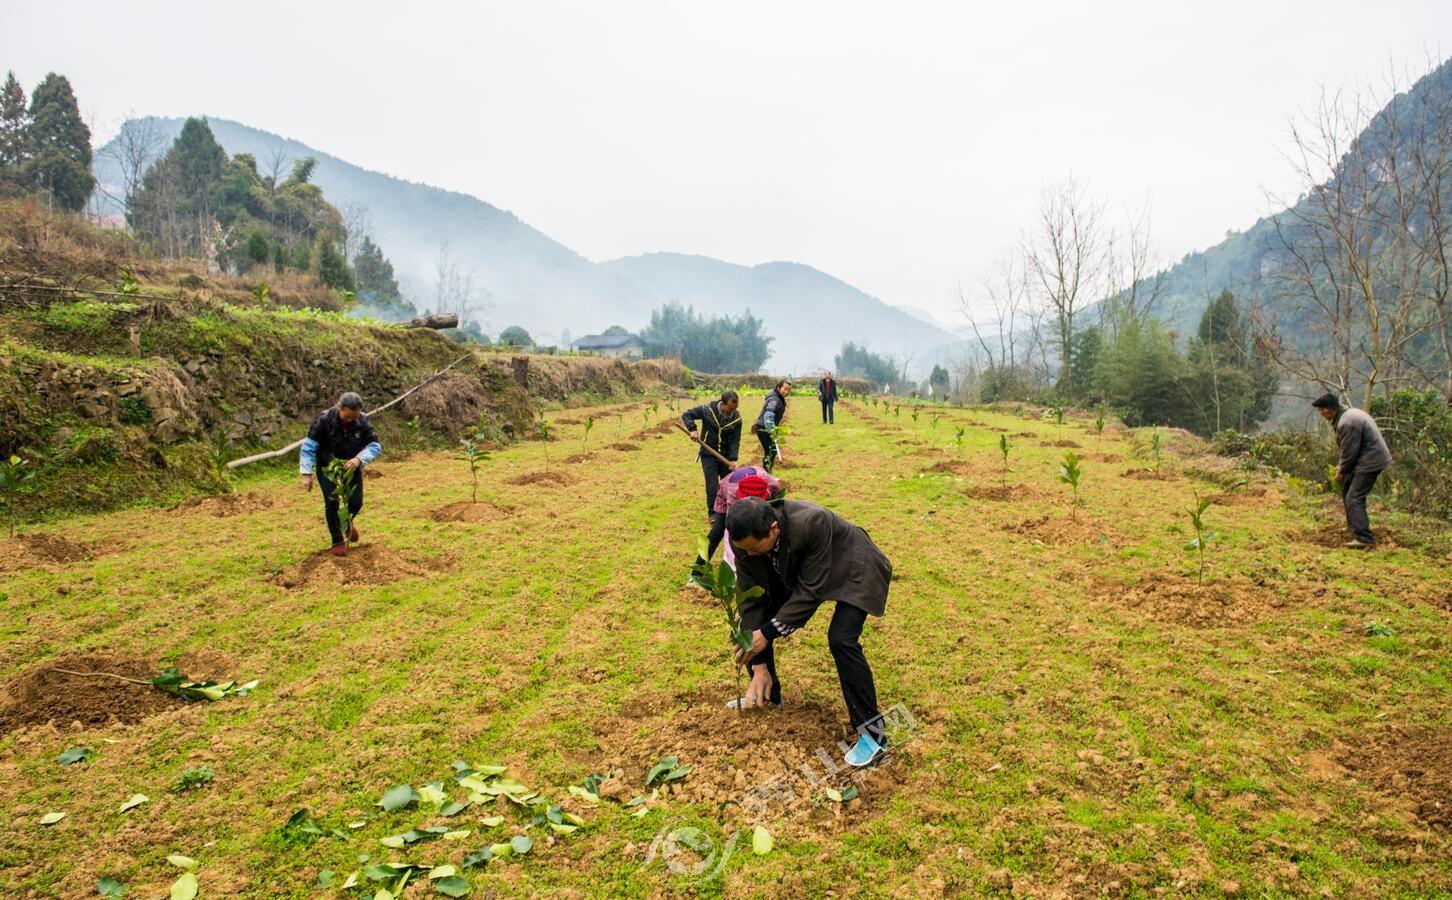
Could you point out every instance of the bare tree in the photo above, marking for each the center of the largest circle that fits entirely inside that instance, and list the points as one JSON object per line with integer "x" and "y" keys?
{"x": 1358, "y": 263}
{"x": 455, "y": 290}
{"x": 357, "y": 224}
{"x": 1134, "y": 268}
{"x": 1065, "y": 260}
{"x": 136, "y": 146}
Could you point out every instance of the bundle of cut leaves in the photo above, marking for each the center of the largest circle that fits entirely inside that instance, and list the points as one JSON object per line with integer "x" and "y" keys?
{"x": 174, "y": 682}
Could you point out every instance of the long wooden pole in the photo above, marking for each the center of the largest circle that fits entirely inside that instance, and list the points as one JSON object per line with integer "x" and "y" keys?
{"x": 273, "y": 454}
{"x": 703, "y": 445}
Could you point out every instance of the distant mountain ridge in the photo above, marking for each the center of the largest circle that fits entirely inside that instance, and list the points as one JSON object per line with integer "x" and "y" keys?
{"x": 535, "y": 281}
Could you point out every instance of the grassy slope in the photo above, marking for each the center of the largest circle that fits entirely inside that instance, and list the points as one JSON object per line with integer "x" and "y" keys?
{"x": 1071, "y": 740}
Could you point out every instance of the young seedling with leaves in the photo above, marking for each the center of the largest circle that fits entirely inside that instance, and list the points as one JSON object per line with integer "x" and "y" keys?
{"x": 958, "y": 438}
{"x": 585, "y": 440}
{"x": 1069, "y": 473}
{"x": 720, "y": 581}
{"x": 1157, "y": 450}
{"x": 1202, "y": 537}
{"x": 14, "y": 472}
{"x": 473, "y": 451}
{"x": 222, "y": 449}
{"x": 1003, "y": 447}
{"x": 1098, "y": 429}
{"x": 343, "y": 479}
{"x": 543, "y": 426}
{"x": 934, "y": 420}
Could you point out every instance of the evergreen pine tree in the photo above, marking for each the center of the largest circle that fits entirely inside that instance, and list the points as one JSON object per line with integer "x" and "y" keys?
{"x": 374, "y": 274}
{"x": 14, "y": 118}
{"x": 59, "y": 145}
{"x": 332, "y": 268}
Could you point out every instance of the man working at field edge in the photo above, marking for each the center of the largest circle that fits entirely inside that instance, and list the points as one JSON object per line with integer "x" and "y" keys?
{"x": 827, "y": 393}
{"x": 802, "y": 555}
{"x": 340, "y": 432}
{"x": 1363, "y": 456}
{"x": 773, "y": 412}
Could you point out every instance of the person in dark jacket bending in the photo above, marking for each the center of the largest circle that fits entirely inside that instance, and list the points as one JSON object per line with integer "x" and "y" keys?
{"x": 720, "y": 430}
{"x": 827, "y": 393}
{"x": 1363, "y": 456}
{"x": 802, "y": 555}
{"x": 773, "y": 411}
{"x": 339, "y": 432}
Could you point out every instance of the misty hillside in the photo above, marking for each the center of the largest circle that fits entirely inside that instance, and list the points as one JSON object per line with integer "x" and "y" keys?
{"x": 532, "y": 280}
{"x": 818, "y": 311}
{"x": 1242, "y": 262}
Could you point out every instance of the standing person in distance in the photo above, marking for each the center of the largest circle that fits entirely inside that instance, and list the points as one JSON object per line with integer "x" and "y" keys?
{"x": 773, "y": 412}
{"x": 1363, "y": 455}
{"x": 827, "y": 393}
{"x": 341, "y": 431}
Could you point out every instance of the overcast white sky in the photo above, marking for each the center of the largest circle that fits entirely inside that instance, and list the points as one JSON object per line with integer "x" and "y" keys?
{"x": 898, "y": 146}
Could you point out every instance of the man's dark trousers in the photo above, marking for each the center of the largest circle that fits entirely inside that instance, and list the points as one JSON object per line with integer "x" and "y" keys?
{"x": 844, "y": 638}
{"x": 829, "y": 411}
{"x": 1354, "y": 494}
{"x": 714, "y": 470}
{"x": 330, "y": 503}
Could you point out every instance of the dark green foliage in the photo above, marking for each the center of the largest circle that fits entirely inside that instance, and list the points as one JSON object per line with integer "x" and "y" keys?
{"x": 135, "y": 410}
{"x": 514, "y": 336}
{"x": 863, "y": 363}
{"x": 1231, "y": 381}
{"x": 259, "y": 249}
{"x": 723, "y": 344}
{"x": 374, "y": 274}
{"x": 332, "y": 268}
{"x": 58, "y": 146}
{"x": 939, "y": 380}
{"x": 1139, "y": 372}
{"x": 14, "y": 117}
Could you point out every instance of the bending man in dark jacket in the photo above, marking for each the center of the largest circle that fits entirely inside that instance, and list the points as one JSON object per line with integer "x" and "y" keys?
{"x": 773, "y": 411}
{"x": 1363, "y": 456}
{"x": 802, "y": 555}
{"x": 827, "y": 393}
{"x": 339, "y": 432}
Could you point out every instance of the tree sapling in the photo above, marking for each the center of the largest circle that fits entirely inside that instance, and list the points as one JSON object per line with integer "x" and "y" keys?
{"x": 1156, "y": 450}
{"x": 720, "y": 580}
{"x": 1003, "y": 448}
{"x": 585, "y": 440}
{"x": 474, "y": 453}
{"x": 1069, "y": 473}
{"x": 14, "y": 472}
{"x": 343, "y": 479}
{"x": 1202, "y": 537}
{"x": 958, "y": 437}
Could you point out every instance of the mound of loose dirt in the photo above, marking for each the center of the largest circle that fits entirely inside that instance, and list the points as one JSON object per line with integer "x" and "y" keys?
{"x": 756, "y": 765}
{"x": 909, "y": 442}
{"x": 29, "y": 551}
{"x": 466, "y": 511}
{"x": 1410, "y": 762}
{"x": 999, "y": 493}
{"x": 1066, "y": 443}
{"x": 787, "y": 464}
{"x": 1262, "y": 498}
{"x": 1335, "y": 534}
{"x": 1103, "y": 457}
{"x": 372, "y": 472}
{"x": 956, "y": 467}
{"x": 577, "y": 458}
{"x": 1218, "y": 603}
{"x": 623, "y": 446}
{"x": 365, "y": 564}
{"x": 1149, "y": 475}
{"x": 1064, "y": 530}
{"x": 549, "y": 476}
{"x": 223, "y": 505}
{"x": 40, "y": 694}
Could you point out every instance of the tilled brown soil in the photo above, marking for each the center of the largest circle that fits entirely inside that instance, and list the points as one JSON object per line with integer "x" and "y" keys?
{"x": 1000, "y": 492}
{"x": 223, "y": 505}
{"x": 753, "y": 766}
{"x": 1411, "y": 763}
{"x": 1065, "y": 530}
{"x": 1150, "y": 475}
{"x": 623, "y": 446}
{"x": 365, "y": 564}
{"x": 41, "y": 695}
{"x": 1067, "y": 444}
{"x": 958, "y": 467}
{"x": 547, "y": 476}
{"x": 1221, "y": 602}
{"x": 467, "y": 511}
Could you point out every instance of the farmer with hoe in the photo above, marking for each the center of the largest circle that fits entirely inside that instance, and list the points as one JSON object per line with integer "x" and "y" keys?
{"x": 827, "y": 393}
{"x": 1363, "y": 456}
{"x": 721, "y": 432}
{"x": 340, "y": 432}
{"x": 803, "y": 555}
{"x": 773, "y": 411}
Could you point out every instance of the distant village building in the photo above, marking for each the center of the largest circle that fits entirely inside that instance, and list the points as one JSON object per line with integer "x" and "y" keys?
{"x": 624, "y": 346}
